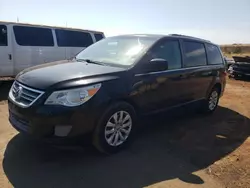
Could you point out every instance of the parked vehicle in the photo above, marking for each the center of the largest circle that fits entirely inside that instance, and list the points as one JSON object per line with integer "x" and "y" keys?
{"x": 241, "y": 59}
{"x": 229, "y": 61}
{"x": 241, "y": 67}
{"x": 112, "y": 83}
{"x": 25, "y": 45}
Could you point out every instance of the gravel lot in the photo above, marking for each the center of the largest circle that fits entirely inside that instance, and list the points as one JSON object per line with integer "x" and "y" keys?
{"x": 184, "y": 150}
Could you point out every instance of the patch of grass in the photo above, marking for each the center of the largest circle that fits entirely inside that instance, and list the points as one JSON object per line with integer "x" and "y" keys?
{"x": 236, "y": 50}
{"x": 230, "y": 55}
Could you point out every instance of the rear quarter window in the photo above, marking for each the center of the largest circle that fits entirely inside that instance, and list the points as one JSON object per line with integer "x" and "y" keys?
{"x": 98, "y": 36}
{"x": 213, "y": 55}
{"x": 33, "y": 36}
{"x": 69, "y": 38}
{"x": 194, "y": 53}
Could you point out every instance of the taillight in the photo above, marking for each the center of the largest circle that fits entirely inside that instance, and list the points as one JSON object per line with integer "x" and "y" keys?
{"x": 224, "y": 73}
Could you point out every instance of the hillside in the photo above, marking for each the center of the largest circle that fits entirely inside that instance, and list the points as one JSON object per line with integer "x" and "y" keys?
{"x": 236, "y": 49}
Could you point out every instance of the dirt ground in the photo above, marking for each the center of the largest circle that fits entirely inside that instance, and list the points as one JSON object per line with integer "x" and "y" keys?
{"x": 234, "y": 169}
{"x": 168, "y": 147}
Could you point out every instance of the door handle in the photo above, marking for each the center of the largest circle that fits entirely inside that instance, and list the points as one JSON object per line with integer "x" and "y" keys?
{"x": 10, "y": 56}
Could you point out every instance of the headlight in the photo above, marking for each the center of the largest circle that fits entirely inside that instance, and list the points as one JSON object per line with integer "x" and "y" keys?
{"x": 72, "y": 97}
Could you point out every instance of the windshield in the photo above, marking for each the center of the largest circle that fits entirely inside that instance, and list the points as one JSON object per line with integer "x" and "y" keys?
{"x": 120, "y": 51}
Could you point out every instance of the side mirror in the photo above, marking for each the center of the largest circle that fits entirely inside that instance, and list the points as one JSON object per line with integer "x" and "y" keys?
{"x": 158, "y": 64}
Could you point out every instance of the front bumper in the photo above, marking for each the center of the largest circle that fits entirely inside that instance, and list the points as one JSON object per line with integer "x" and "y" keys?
{"x": 41, "y": 121}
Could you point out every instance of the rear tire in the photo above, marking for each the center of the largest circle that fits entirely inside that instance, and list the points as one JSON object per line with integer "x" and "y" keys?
{"x": 115, "y": 128}
{"x": 211, "y": 103}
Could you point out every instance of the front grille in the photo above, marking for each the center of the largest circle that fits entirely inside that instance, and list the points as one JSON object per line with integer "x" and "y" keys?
{"x": 23, "y": 95}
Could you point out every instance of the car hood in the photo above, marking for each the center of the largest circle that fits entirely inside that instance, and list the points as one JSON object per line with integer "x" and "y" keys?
{"x": 46, "y": 75}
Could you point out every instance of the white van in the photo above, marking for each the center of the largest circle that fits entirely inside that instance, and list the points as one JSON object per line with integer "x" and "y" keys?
{"x": 26, "y": 45}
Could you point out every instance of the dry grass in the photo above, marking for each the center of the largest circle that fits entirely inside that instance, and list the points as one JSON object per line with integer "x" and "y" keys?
{"x": 236, "y": 50}
{"x": 230, "y": 55}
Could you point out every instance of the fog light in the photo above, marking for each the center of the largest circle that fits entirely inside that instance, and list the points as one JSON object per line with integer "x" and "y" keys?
{"x": 62, "y": 130}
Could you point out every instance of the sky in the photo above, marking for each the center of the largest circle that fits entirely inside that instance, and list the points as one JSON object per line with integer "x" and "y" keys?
{"x": 220, "y": 21}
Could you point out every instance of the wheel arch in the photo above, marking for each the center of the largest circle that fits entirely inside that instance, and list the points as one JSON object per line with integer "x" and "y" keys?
{"x": 212, "y": 86}
{"x": 219, "y": 86}
{"x": 126, "y": 100}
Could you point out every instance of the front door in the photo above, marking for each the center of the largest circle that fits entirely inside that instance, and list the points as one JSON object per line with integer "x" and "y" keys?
{"x": 163, "y": 89}
{"x": 6, "y": 56}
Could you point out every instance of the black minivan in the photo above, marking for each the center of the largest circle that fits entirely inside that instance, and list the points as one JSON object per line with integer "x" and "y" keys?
{"x": 107, "y": 86}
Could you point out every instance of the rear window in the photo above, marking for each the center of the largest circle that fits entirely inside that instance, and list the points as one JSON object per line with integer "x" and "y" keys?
{"x": 213, "y": 55}
{"x": 33, "y": 36}
{"x": 195, "y": 54}
{"x": 67, "y": 38}
{"x": 98, "y": 37}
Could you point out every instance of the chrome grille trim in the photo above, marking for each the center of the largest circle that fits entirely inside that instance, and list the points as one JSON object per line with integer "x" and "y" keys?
{"x": 27, "y": 96}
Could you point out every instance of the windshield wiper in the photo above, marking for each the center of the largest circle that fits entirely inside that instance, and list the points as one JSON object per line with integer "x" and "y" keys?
{"x": 90, "y": 61}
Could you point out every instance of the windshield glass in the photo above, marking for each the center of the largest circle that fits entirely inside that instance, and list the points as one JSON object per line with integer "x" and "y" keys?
{"x": 120, "y": 51}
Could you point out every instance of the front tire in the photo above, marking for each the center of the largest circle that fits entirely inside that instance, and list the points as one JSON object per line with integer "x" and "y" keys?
{"x": 115, "y": 128}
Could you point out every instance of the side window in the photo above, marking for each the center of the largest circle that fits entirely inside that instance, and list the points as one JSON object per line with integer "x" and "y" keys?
{"x": 33, "y": 36}
{"x": 68, "y": 38}
{"x": 3, "y": 35}
{"x": 195, "y": 54}
{"x": 98, "y": 36}
{"x": 213, "y": 55}
{"x": 170, "y": 51}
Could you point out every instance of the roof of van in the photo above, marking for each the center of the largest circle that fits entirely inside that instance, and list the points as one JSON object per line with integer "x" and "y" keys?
{"x": 49, "y": 26}
{"x": 159, "y": 36}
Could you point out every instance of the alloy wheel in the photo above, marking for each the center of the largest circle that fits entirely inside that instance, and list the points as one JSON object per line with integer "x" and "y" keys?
{"x": 118, "y": 128}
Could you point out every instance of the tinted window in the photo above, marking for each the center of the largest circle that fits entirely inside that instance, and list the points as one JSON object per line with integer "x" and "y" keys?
{"x": 170, "y": 51}
{"x": 195, "y": 54}
{"x": 3, "y": 36}
{"x": 73, "y": 38}
{"x": 33, "y": 36}
{"x": 98, "y": 37}
{"x": 213, "y": 55}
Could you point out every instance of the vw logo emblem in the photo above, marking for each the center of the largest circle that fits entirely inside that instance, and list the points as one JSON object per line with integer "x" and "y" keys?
{"x": 17, "y": 92}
